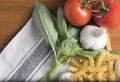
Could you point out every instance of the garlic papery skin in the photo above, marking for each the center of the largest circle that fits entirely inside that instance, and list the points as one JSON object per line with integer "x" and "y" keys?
{"x": 117, "y": 67}
{"x": 65, "y": 77}
{"x": 93, "y": 37}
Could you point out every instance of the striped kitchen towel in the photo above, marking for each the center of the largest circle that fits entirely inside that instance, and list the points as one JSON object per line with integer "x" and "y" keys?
{"x": 27, "y": 57}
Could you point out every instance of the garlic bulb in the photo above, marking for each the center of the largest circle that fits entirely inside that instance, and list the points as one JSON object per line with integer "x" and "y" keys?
{"x": 117, "y": 67}
{"x": 65, "y": 77}
{"x": 93, "y": 37}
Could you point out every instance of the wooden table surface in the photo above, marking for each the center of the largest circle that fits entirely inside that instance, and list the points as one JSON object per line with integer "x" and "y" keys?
{"x": 15, "y": 13}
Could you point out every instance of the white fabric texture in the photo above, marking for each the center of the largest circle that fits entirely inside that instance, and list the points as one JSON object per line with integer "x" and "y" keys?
{"x": 27, "y": 57}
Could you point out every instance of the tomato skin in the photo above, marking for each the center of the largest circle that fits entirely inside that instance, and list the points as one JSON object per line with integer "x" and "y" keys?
{"x": 111, "y": 19}
{"x": 75, "y": 14}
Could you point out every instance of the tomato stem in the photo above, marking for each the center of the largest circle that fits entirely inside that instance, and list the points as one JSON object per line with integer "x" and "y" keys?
{"x": 85, "y": 4}
{"x": 109, "y": 3}
{"x": 102, "y": 11}
{"x": 104, "y": 8}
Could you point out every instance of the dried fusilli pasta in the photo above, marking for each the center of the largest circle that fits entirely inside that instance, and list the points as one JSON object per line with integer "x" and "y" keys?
{"x": 100, "y": 68}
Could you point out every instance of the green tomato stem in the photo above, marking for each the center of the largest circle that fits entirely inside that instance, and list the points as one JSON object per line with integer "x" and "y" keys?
{"x": 104, "y": 8}
{"x": 85, "y": 4}
{"x": 102, "y": 11}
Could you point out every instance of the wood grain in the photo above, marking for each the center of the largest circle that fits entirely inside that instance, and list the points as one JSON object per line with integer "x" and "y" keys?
{"x": 15, "y": 13}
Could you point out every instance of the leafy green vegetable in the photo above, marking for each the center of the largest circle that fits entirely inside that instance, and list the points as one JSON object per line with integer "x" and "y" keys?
{"x": 64, "y": 40}
{"x": 87, "y": 53}
{"x": 67, "y": 48}
{"x": 94, "y": 53}
{"x": 73, "y": 32}
{"x": 43, "y": 19}
{"x": 68, "y": 45}
{"x": 61, "y": 24}
{"x": 114, "y": 53}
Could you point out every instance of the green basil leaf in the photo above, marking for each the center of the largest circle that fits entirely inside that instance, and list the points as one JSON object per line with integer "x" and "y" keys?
{"x": 63, "y": 60}
{"x": 61, "y": 24}
{"x": 75, "y": 49}
{"x": 43, "y": 19}
{"x": 93, "y": 53}
{"x": 114, "y": 53}
{"x": 73, "y": 32}
{"x": 66, "y": 46}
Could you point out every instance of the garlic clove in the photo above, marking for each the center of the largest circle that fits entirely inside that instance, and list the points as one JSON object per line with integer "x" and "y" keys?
{"x": 117, "y": 67}
{"x": 65, "y": 77}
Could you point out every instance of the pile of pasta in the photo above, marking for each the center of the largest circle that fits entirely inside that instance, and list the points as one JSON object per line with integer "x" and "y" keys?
{"x": 101, "y": 68}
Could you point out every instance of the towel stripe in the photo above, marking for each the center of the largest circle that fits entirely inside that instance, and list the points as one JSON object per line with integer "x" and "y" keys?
{"x": 31, "y": 62}
{"x": 39, "y": 67}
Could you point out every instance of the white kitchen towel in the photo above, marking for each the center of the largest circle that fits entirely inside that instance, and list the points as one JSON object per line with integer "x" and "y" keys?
{"x": 24, "y": 54}
{"x": 27, "y": 57}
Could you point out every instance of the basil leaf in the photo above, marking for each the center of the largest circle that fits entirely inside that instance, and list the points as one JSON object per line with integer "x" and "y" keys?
{"x": 61, "y": 24}
{"x": 63, "y": 60}
{"x": 68, "y": 47}
{"x": 73, "y": 32}
{"x": 72, "y": 50}
{"x": 114, "y": 53}
{"x": 75, "y": 49}
{"x": 93, "y": 53}
{"x": 43, "y": 19}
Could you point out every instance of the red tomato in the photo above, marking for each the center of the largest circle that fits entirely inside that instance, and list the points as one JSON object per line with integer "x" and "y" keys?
{"x": 111, "y": 19}
{"x": 75, "y": 14}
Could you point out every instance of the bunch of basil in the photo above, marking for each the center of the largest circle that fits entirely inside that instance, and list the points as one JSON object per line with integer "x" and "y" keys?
{"x": 63, "y": 38}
